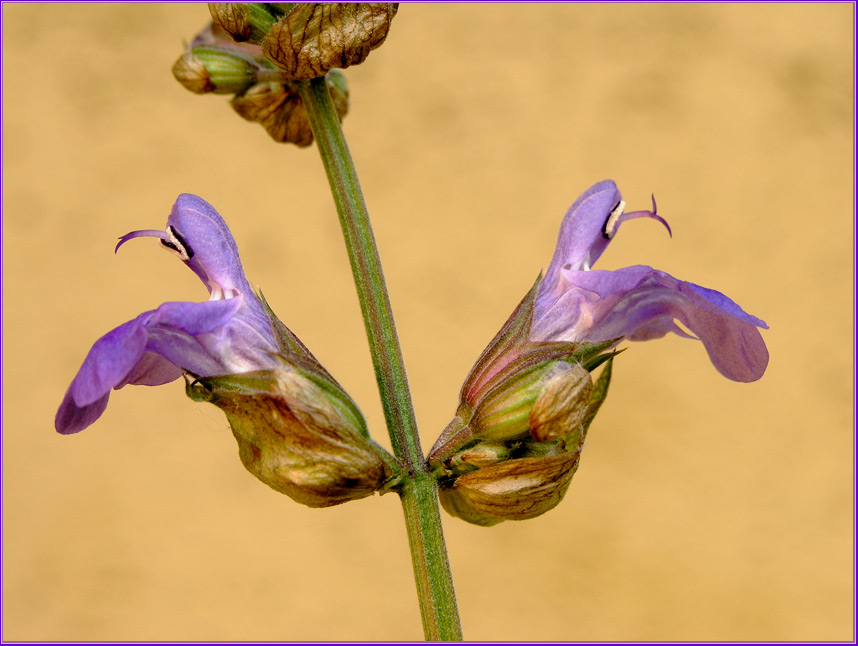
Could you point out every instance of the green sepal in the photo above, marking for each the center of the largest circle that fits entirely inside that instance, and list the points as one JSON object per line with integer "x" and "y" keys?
{"x": 598, "y": 394}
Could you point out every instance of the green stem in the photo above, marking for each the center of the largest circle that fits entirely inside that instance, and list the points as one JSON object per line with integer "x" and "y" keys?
{"x": 419, "y": 491}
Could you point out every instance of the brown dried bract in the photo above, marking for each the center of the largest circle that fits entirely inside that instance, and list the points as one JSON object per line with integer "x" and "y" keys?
{"x": 513, "y": 490}
{"x": 233, "y": 17}
{"x": 316, "y": 37}
{"x": 281, "y": 111}
{"x": 562, "y": 405}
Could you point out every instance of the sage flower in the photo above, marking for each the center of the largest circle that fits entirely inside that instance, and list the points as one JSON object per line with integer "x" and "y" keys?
{"x": 525, "y": 408}
{"x": 297, "y": 430}
{"x": 229, "y": 333}
{"x": 639, "y": 303}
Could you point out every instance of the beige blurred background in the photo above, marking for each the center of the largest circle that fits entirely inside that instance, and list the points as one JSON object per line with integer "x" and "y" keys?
{"x": 703, "y": 509}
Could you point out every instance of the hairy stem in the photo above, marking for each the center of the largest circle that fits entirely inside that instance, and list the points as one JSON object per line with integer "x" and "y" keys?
{"x": 419, "y": 491}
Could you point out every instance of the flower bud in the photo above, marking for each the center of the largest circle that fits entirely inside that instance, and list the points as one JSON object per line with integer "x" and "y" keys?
{"x": 212, "y": 69}
{"x": 299, "y": 433}
{"x": 315, "y": 37}
{"x": 281, "y": 111}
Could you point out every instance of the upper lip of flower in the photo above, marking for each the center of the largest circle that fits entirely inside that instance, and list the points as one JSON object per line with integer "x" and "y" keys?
{"x": 231, "y": 332}
{"x": 590, "y": 225}
{"x": 574, "y": 303}
{"x": 198, "y": 236}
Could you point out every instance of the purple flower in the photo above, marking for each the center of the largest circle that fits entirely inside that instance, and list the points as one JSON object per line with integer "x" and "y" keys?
{"x": 639, "y": 303}
{"x": 525, "y": 408}
{"x": 232, "y": 332}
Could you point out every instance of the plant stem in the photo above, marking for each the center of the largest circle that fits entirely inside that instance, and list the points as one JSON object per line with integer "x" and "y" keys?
{"x": 419, "y": 491}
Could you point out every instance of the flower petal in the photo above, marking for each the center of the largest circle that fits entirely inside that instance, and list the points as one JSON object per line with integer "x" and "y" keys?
{"x": 642, "y": 303}
{"x": 197, "y": 234}
{"x": 211, "y": 338}
{"x": 212, "y": 249}
{"x": 196, "y": 318}
{"x": 581, "y": 240}
{"x": 151, "y": 370}
{"x": 111, "y": 358}
{"x": 589, "y": 226}
{"x": 72, "y": 418}
{"x": 107, "y": 365}
{"x": 151, "y": 350}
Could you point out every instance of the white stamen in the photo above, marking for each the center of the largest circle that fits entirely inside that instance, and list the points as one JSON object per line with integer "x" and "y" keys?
{"x": 218, "y": 293}
{"x": 175, "y": 246}
{"x": 613, "y": 218}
